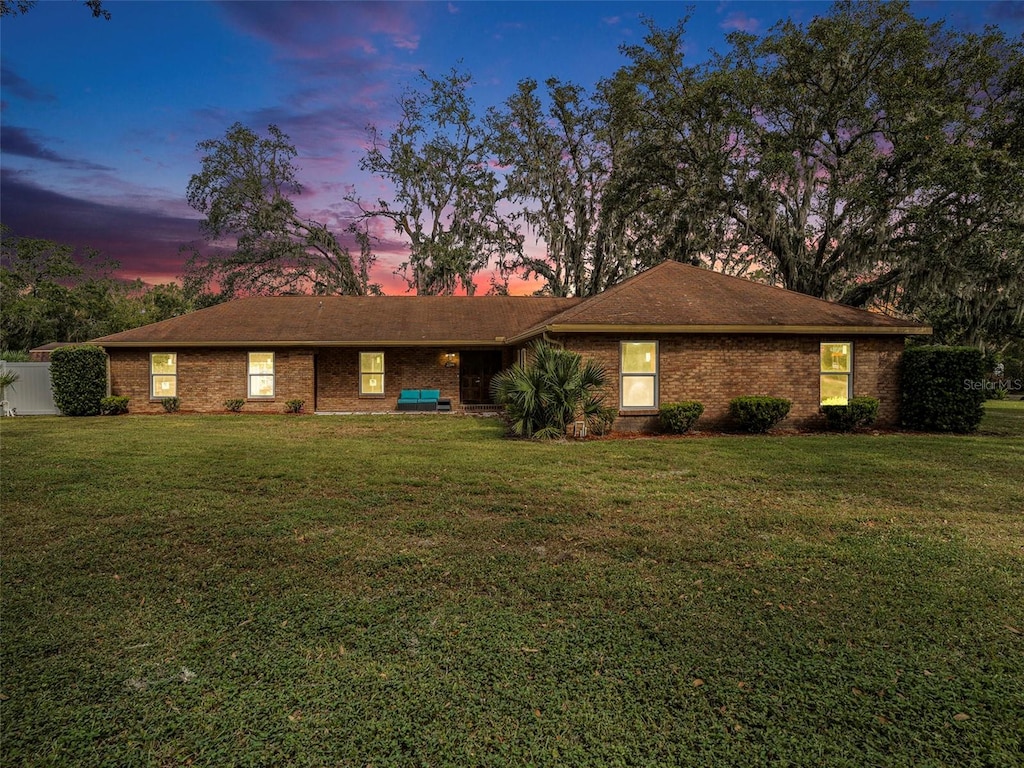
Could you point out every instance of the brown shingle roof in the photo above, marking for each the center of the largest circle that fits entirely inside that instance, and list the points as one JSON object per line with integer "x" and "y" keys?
{"x": 668, "y": 298}
{"x": 674, "y": 297}
{"x": 349, "y": 321}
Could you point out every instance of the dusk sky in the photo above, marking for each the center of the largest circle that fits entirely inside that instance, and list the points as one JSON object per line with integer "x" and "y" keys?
{"x": 100, "y": 119}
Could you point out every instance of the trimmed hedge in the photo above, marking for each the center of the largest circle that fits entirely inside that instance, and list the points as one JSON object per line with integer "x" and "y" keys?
{"x": 677, "y": 418}
{"x": 942, "y": 389}
{"x": 114, "y": 406}
{"x": 79, "y": 378}
{"x": 759, "y": 413}
{"x": 234, "y": 405}
{"x": 859, "y": 412}
{"x": 170, "y": 404}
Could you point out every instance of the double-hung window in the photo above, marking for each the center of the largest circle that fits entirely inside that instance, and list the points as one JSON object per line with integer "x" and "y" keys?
{"x": 261, "y": 374}
{"x": 638, "y": 374}
{"x": 163, "y": 375}
{"x": 371, "y": 374}
{"x": 836, "y": 374}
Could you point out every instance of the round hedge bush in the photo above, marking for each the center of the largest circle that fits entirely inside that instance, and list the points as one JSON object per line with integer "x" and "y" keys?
{"x": 678, "y": 418}
{"x": 859, "y": 412}
{"x": 759, "y": 413}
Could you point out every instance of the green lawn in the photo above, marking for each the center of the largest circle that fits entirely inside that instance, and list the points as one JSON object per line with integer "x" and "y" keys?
{"x": 417, "y": 591}
{"x": 1004, "y": 418}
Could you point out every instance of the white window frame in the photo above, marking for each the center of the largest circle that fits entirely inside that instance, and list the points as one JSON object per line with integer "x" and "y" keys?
{"x": 250, "y": 375}
{"x": 655, "y": 376}
{"x": 848, "y": 374}
{"x": 381, "y": 373}
{"x": 153, "y": 394}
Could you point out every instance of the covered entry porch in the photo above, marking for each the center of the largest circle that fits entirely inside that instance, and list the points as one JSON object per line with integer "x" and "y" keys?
{"x": 363, "y": 380}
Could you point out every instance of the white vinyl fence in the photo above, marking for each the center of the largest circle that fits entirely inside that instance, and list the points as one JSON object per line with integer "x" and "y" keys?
{"x": 31, "y": 394}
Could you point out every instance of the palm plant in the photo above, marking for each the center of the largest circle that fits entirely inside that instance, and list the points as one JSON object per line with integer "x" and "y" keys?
{"x": 7, "y": 378}
{"x": 554, "y": 390}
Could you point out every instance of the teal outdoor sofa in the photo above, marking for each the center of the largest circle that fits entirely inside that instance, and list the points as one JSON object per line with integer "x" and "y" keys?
{"x": 421, "y": 400}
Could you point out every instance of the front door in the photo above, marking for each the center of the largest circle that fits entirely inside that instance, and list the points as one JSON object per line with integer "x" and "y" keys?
{"x": 476, "y": 368}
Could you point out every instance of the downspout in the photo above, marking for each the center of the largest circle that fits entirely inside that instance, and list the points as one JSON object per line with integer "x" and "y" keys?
{"x": 109, "y": 390}
{"x": 553, "y": 342}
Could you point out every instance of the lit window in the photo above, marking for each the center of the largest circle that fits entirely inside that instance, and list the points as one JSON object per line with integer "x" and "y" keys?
{"x": 163, "y": 374}
{"x": 261, "y": 374}
{"x": 371, "y": 373}
{"x": 638, "y": 377}
{"x": 836, "y": 373}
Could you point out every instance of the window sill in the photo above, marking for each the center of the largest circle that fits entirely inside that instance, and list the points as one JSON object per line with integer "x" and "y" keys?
{"x": 638, "y": 411}
{"x": 372, "y": 397}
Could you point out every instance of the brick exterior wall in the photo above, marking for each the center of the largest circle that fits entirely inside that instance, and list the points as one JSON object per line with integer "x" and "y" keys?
{"x": 209, "y": 376}
{"x": 715, "y": 368}
{"x": 409, "y": 368}
{"x": 710, "y": 368}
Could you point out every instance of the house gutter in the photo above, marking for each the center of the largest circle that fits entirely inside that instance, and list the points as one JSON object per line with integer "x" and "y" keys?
{"x": 815, "y": 330}
{"x": 545, "y": 332}
{"x": 497, "y": 342}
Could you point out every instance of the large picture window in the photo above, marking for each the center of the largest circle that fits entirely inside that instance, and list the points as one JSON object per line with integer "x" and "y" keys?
{"x": 638, "y": 374}
{"x": 163, "y": 374}
{"x": 371, "y": 374}
{"x": 836, "y": 375}
{"x": 261, "y": 374}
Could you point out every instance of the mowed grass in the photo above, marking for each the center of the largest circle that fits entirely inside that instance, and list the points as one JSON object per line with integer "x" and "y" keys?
{"x": 1004, "y": 418}
{"x": 418, "y": 591}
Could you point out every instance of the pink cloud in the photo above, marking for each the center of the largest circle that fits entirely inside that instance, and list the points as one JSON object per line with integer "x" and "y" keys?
{"x": 407, "y": 43}
{"x": 740, "y": 21}
{"x": 307, "y": 30}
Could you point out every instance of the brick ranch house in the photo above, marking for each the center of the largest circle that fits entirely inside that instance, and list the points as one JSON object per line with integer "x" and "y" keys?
{"x": 674, "y": 332}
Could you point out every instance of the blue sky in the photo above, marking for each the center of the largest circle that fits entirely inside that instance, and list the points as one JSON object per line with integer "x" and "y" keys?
{"x": 100, "y": 119}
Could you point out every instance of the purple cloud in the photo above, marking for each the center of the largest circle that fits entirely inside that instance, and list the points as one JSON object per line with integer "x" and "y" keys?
{"x": 148, "y": 243}
{"x": 315, "y": 30}
{"x": 147, "y": 240}
{"x": 15, "y": 84}
{"x": 18, "y": 141}
{"x": 340, "y": 63}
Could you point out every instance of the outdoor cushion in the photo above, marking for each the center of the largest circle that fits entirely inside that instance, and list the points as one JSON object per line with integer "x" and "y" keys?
{"x": 419, "y": 400}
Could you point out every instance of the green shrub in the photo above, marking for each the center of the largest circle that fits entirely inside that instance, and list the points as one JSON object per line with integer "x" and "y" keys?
{"x": 759, "y": 413}
{"x": 79, "y": 378}
{"x": 234, "y": 404}
{"x": 170, "y": 404}
{"x": 679, "y": 417}
{"x": 114, "y": 406}
{"x": 859, "y": 412}
{"x": 294, "y": 406}
{"x": 553, "y": 391}
{"x": 942, "y": 389}
{"x": 603, "y": 420}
